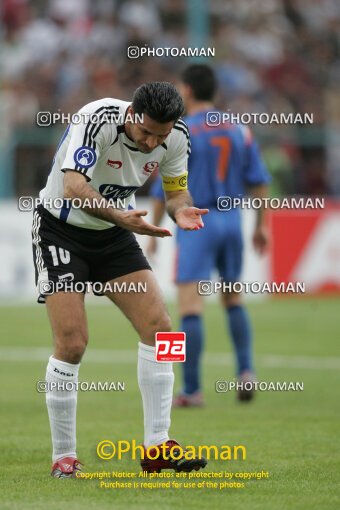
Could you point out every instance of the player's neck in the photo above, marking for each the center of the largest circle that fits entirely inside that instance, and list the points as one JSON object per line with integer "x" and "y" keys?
{"x": 199, "y": 106}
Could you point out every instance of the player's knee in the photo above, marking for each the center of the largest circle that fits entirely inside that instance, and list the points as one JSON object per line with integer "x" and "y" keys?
{"x": 162, "y": 323}
{"x": 231, "y": 299}
{"x": 73, "y": 353}
{"x": 190, "y": 309}
{"x": 71, "y": 345}
{"x": 159, "y": 323}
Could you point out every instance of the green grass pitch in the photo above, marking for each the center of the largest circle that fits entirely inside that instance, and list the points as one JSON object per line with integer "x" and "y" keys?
{"x": 292, "y": 435}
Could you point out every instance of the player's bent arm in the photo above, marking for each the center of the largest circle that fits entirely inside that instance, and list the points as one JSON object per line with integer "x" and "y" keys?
{"x": 176, "y": 200}
{"x": 180, "y": 209}
{"x": 76, "y": 186}
{"x": 260, "y": 236}
{"x": 158, "y": 210}
{"x": 260, "y": 191}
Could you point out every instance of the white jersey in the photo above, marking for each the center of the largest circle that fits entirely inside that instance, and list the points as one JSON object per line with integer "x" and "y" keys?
{"x": 99, "y": 149}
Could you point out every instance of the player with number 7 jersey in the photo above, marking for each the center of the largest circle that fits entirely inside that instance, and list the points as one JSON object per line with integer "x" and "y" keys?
{"x": 224, "y": 164}
{"x": 98, "y": 166}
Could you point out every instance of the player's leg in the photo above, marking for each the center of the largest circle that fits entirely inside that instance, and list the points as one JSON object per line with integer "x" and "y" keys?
{"x": 67, "y": 316}
{"x": 190, "y": 305}
{"x": 69, "y": 327}
{"x": 194, "y": 262}
{"x": 145, "y": 310}
{"x": 240, "y": 331}
{"x": 242, "y": 338}
{"x": 56, "y": 263}
{"x": 230, "y": 267}
{"x": 148, "y": 315}
{"x": 125, "y": 263}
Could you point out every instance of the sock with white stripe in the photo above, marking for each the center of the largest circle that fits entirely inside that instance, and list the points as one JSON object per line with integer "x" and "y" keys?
{"x": 156, "y": 382}
{"x": 62, "y": 406}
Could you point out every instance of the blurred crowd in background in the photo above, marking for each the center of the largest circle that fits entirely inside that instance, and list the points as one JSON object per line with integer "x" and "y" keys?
{"x": 271, "y": 56}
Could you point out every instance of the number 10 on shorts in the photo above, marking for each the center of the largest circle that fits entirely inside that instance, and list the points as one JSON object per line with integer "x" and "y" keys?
{"x": 170, "y": 346}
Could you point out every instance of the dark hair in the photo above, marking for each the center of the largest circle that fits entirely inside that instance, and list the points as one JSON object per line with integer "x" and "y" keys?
{"x": 201, "y": 79}
{"x": 159, "y": 100}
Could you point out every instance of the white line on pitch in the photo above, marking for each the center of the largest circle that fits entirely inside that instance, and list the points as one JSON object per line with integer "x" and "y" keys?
{"x": 111, "y": 356}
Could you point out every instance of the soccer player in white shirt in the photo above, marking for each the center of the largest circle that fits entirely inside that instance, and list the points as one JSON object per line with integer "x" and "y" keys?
{"x": 102, "y": 159}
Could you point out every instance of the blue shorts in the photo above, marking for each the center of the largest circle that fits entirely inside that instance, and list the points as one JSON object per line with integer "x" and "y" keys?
{"x": 219, "y": 245}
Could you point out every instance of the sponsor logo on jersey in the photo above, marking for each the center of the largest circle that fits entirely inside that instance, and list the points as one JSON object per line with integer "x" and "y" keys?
{"x": 85, "y": 157}
{"x": 114, "y": 164}
{"x": 150, "y": 167}
{"x": 114, "y": 191}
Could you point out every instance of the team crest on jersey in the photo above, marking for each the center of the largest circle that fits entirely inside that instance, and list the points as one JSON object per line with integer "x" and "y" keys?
{"x": 85, "y": 157}
{"x": 150, "y": 167}
{"x": 114, "y": 191}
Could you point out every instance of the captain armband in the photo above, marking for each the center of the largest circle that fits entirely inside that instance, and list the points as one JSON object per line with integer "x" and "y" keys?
{"x": 177, "y": 183}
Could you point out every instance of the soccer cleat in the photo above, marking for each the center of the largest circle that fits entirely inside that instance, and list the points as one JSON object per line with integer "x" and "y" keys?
{"x": 193, "y": 400}
{"x": 246, "y": 394}
{"x": 66, "y": 468}
{"x": 176, "y": 460}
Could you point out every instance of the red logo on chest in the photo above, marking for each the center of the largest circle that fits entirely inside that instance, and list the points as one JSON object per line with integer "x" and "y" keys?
{"x": 114, "y": 164}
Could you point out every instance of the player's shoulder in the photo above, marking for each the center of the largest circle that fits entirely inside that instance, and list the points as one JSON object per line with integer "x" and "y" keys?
{"x": 245, "y": 133}
{"x": 179, "y": 136}
{"x": 99, "y": 120}
{"x": 238, "y": 133}
{"x": 181, "y": 128}
{"x": 107, "y": 105}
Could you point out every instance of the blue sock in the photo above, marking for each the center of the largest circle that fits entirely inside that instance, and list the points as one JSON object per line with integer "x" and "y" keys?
{"x": 193, "y": 327}
{"x": 241, "y": 335}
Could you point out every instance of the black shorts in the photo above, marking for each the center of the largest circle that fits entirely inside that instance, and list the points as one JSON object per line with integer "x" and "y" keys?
{"x": 65, "y": 255}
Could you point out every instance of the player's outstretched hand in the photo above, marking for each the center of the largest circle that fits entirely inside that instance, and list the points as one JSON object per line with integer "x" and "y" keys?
{"x": 189, "y": 218}
{"x": 133, "y": 221}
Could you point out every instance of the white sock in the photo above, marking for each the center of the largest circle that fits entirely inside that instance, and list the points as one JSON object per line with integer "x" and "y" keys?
{"x": 62, "y": 407}
{"x": 156, "y": 382}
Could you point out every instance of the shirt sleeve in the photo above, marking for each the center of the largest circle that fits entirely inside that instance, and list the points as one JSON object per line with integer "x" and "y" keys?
{"x": 88, "y": 139}
{"x": 255, "y": 171}
{"x": 174, "y": 168}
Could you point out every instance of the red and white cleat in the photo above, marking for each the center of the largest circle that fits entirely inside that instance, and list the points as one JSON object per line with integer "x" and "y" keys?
{"x": 172, "y": 458}
{"x": 66, "y": 467}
